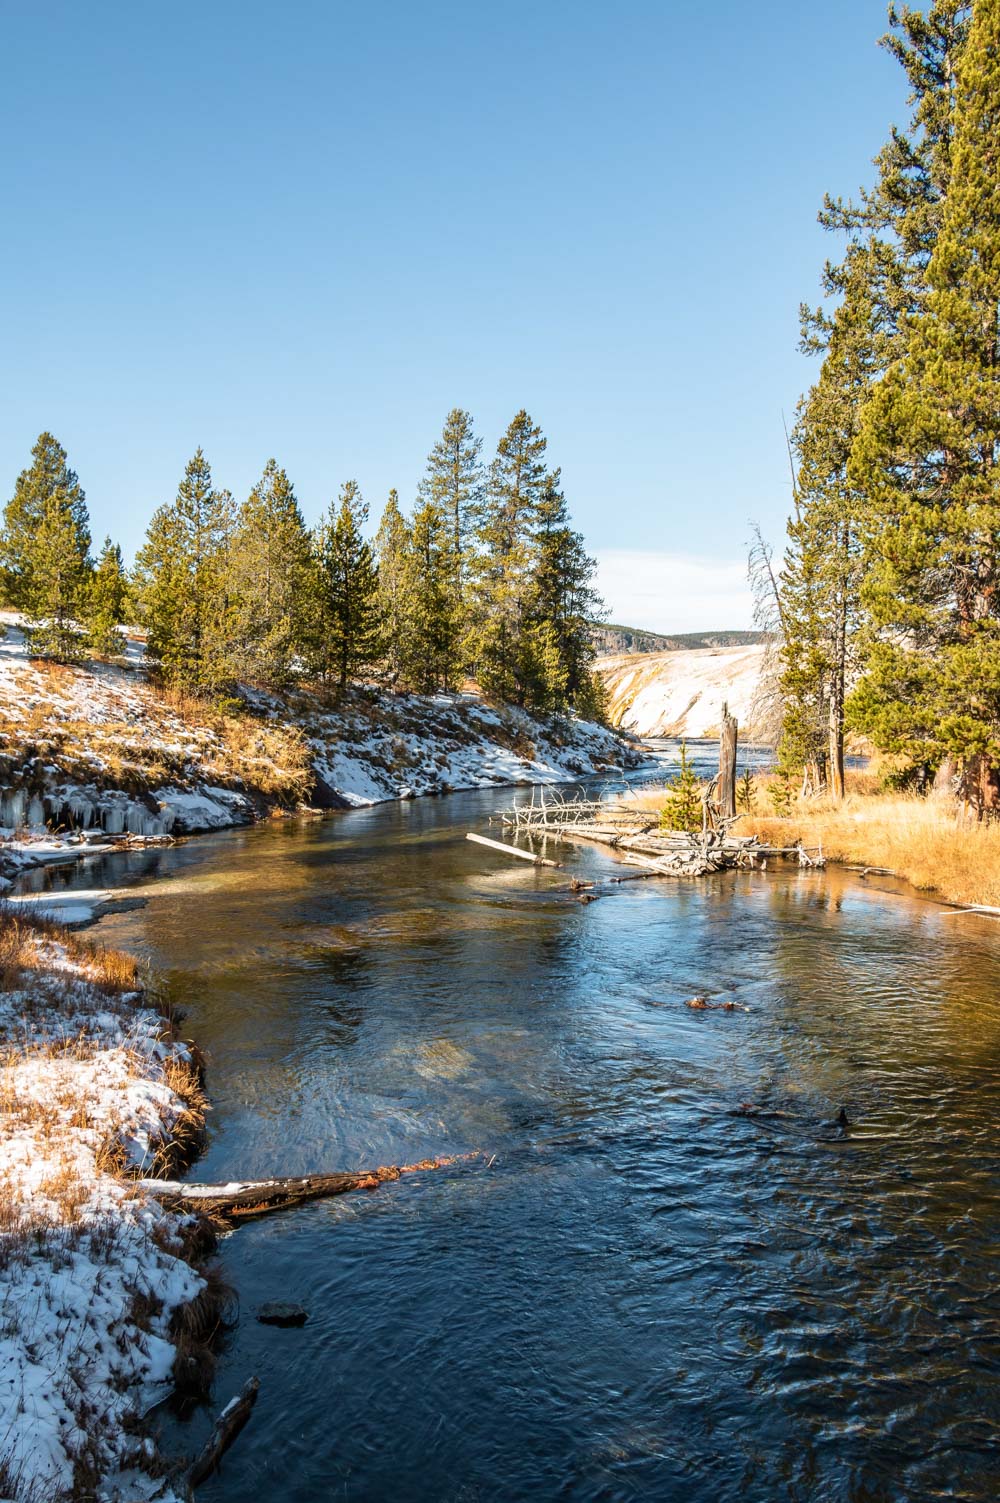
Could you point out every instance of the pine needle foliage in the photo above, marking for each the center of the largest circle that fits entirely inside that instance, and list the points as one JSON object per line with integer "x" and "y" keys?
{"x": 682, "y": 809}
{"x": 181, "y": 582}
{"x": 349, "y": 619}
{"x": 106, "y": 601}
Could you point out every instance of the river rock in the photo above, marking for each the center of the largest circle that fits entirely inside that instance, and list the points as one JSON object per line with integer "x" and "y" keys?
{"x": 281, "y": 1312}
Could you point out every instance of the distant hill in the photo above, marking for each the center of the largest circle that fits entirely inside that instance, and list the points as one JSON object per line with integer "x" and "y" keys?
{"x": 681, "y": 693}
{"x": 610, "y": 639}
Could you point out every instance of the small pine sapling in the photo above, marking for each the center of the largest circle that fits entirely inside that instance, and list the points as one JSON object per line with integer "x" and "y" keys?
{"x": 780, "y": 793}
{"x": 746, "y": 792}
{"x": 683, "y": 810}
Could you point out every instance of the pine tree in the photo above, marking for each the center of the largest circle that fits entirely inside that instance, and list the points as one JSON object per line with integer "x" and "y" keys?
{"x": 351, "y": 629}
{"x": 56, "y": 582}
{"x": 821, "y": 577}
{"x": 879, "y": 285}
{"x": 180, "y": 579}
{"x": 106, "y": 603}
{"x": 271, "y": 579}
{"x": 506, "y": 541}
{"x": 48, "y": 479}
{"x": 454, "y": 482}
{"x": 683, "y": 807}
{"x": 434, "y": 624}
{"x": 394, "y": 573}
{"x": 563, "y": 603}
{"x": 927, "y": 460}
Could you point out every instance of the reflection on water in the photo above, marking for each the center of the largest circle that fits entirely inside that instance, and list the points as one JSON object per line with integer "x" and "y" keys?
{"x": 679, "y": 1278}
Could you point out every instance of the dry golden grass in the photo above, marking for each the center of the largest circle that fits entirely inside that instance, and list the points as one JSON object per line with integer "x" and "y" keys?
{"x": 113, "y": 972}
{"x": 921, "y": 839}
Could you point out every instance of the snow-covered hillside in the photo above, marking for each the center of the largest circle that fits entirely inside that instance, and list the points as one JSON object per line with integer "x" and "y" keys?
{"x": 682, "y": 693}
{"x": 100, "y": 749}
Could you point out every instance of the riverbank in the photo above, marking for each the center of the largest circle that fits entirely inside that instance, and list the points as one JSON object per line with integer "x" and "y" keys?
{"x": 97, "y": 1292}
{"x": 102, "y": 749}
{"x": 918, "y": 839}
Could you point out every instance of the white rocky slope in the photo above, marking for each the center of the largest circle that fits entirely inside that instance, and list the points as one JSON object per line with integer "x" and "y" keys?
{"x": 682, "y": 693}
{"x": 99, "y": 749}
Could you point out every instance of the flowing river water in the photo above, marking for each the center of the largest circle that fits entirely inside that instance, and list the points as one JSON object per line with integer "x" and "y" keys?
{"x": 642, "y": 1291}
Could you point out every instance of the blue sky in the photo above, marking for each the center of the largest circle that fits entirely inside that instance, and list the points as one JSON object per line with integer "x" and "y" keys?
{"x": 308, "y": 230}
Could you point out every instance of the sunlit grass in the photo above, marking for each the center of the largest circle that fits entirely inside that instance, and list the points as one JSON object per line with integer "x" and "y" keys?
{"x": 921, "y": 839}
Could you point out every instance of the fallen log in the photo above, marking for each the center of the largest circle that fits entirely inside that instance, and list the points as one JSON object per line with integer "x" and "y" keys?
{"x": 242, "y": 1199}
{"x": 224, "y": 1432}
{"x": 512, "y": 850}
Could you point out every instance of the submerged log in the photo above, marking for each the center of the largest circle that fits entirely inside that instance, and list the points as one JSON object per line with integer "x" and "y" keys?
{"x": 226, "y": 1428}
{"x": 242, "y": 1199}
{"x": 511, "y": 850}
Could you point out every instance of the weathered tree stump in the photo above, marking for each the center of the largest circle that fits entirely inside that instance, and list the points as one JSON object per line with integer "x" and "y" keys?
{"x": 727, "y": 765}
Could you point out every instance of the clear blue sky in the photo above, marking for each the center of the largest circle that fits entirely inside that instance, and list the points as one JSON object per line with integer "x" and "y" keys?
{"x": 308, "y": 230}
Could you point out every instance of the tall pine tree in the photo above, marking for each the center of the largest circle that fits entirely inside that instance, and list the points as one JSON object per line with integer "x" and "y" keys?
{"x": 432, "y": 648}
{"x": 271, "y": 578}
{"x": 392, "y": 557}
{"x": 48, "y": 478}
{"x": 351, "y": 636}
{"x": 453, "y": 481}
{"x": 877, "y": 288}
{"x": 180, "y": 579}
{"x": 106, "y": 601}
{"x": 927, "y": 458}
{"x": 562, "y": 605}
{"x": 496, "y": 639}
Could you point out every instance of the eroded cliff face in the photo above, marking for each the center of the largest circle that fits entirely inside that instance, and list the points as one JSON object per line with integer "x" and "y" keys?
{"x": 682, "y": 693}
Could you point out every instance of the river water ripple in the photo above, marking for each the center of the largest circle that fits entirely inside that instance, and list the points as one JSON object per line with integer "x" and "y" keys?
{"x": 650, "y": 1293}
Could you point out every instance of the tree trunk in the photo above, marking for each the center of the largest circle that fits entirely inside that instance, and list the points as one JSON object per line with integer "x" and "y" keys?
{"x": 980, "y": 787}
{"x": 835, "y": 751}
{"x": 726, "y": 795}
{"x": 943, "y": 786}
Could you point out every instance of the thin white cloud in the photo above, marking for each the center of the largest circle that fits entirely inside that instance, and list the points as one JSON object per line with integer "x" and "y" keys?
{"x": 667, "y": 592}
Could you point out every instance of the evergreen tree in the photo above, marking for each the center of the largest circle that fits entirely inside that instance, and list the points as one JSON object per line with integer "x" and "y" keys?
{"x": 878, "y": 288}
{"x": 271, "y": 619}
{"x": 926, "y": 459}
{"x": 48, "y": 479}
{"x": 56, "y": 582}
{"x": 453, "y": 481}
{"x": 434, "y": 621}
{"x": 107, "y": 601}
{"x": 683, "y": 807}
{"x": 821, "y": 577}
{"x": 180, "y": 579}
{"x": 563, "y": 604}
{"x": 506, "y": 538}
{"x": 351, "y": 634}
{"x": 394, "y": 574}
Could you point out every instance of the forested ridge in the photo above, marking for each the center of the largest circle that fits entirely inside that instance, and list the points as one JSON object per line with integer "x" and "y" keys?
{"x": 887, "y": 603}
{"x": 484, "y": 577}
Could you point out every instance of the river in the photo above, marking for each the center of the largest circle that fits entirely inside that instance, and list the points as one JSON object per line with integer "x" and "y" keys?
{"x": 641, "y": 1292}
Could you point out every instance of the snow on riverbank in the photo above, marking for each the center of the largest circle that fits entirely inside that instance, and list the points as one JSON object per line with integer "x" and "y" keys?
{"x": 90, "y": 1273}
{"x": 100, "y": 749}
{"x": 406, "y": 746}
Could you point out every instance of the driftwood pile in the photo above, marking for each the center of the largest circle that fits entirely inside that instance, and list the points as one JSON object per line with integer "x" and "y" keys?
{"x": 637, "y": 836}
